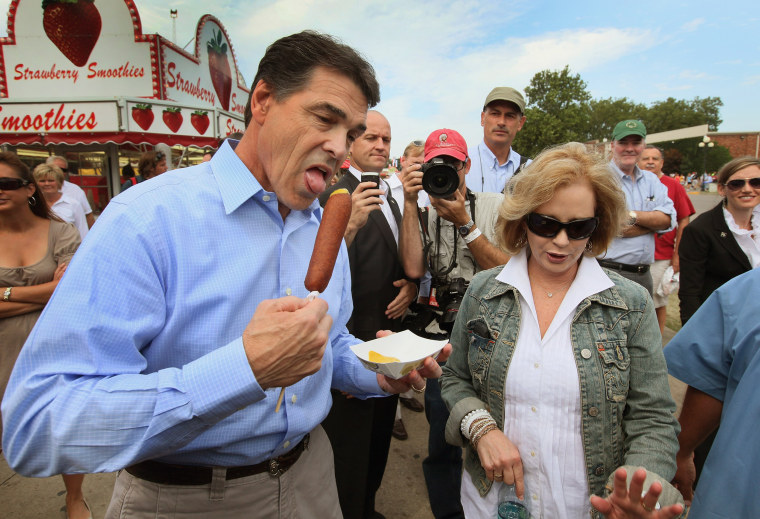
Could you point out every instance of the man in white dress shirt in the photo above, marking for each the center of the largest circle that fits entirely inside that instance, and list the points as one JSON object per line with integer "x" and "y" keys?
{"x": 72, "y": 190}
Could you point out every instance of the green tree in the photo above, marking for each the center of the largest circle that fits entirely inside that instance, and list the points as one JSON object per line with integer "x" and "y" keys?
{"x": 606, "y": 113}
{"x": 557, "y": 111}
{"x": 673, "y": 114}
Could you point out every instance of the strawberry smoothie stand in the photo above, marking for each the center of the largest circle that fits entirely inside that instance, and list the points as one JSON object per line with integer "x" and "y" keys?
{"x": 79, "y": 78}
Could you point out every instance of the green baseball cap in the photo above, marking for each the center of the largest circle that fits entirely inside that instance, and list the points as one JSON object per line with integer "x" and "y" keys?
{"x": 629, "y": 127}
{"x": 506, "y": 94}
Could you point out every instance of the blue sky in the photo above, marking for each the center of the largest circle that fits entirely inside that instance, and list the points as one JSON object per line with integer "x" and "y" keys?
{"x": 436, "y": 61}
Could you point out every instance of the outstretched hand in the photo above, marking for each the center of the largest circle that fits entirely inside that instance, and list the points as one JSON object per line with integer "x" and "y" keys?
{"x": 416, "y": 379}
{"x": 632, "y": 503}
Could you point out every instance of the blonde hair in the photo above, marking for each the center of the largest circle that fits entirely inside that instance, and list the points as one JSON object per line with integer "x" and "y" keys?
{"x": 536, "y": 185}
{"x": 414, "y": 149}
{"x": 43, "y": 171}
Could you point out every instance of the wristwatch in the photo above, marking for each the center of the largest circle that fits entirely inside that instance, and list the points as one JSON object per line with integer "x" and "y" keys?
{"x": 632, "y": 217}
{"x": 466, "y": 228}
{"x": 7, "y": 294}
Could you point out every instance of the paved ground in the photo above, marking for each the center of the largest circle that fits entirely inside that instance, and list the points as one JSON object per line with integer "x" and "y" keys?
{"x": 402, "y": 496}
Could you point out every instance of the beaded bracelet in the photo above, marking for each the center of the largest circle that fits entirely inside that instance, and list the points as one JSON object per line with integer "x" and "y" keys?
{"x": 485, "y": 430}
{"x": 469, "y": 419}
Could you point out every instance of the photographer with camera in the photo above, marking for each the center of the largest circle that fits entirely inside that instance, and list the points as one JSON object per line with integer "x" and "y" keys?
{"x": 453, "y": 239}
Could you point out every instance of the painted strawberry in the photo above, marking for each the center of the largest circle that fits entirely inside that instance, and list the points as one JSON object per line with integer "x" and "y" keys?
{"x": 143, "y": 115}
{"x": 199, "y": 120}
{"x": 172, "y": 118}
{"x": 219, "y": 68}
{"x": 73, "y": 26}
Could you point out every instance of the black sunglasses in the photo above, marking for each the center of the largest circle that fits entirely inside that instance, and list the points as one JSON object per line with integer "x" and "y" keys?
{"x": 548, "y": 227}
{"x": 737, "y": 184}
{"x": 12, "y": 183}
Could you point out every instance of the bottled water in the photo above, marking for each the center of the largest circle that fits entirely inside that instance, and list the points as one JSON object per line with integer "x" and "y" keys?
{"x": 510, "y": 506}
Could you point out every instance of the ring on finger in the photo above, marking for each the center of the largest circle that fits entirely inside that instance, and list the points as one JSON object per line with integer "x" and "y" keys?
{"x": 645, "y": 507}
{"x": 498, "y": 476}
{"x": 419, "y": 390}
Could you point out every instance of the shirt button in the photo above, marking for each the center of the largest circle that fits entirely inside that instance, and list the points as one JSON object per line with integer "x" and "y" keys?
{"x": 599, "y": 470}
{"x": 286, "y": 444}
{"x": 593, "y": 411}
{"x": 536, "y": 365}
{"x": 535, "y": 497}
{"x": 266, "y": 198}
{"x": 288, "y": 291}
{"x": 293, "y": 399}
{"x": 533, "y": 409}
{"x": 586, "y": 353}
{"x": 533, "y": 453}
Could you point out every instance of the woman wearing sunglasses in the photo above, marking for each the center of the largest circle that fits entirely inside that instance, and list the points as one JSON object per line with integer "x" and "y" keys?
{"x": 717, "y": 246}
{"x": 557, "y": 377}
{"x": 725, "y": 241}
{"x": 36, "y": 247}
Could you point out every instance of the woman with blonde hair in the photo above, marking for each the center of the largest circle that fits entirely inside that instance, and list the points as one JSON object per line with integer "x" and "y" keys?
{"x": 37, "y": 247}
{"x": 557, "y": 383}
{"x": 50, "y": 179}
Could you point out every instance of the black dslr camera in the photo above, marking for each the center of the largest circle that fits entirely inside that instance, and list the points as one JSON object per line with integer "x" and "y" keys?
{"x": 449, "y": 296}
{"x": 439, "y": 178}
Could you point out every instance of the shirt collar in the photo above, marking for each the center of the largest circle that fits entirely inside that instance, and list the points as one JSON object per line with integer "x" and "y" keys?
{"x": 358, "y": 174}
{"x": 486, "y": 152}
{"x": 589, "y": 280}
{"x": 236, "y": 182}
{"x": 636, "y": 171}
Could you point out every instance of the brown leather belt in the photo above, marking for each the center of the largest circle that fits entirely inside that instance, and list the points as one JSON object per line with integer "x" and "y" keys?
{"x": 614, "y": 265}
{"x": 169, "y": 474}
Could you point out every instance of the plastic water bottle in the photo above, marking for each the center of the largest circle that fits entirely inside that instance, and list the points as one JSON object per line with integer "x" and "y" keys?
{"x": 510, "y": 506}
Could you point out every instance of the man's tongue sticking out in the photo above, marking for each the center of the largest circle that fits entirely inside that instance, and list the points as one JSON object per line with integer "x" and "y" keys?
{"x": 315, "y": 180}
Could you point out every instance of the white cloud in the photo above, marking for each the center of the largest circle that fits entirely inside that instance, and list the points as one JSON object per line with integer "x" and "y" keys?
{"x": 692, "y": 25}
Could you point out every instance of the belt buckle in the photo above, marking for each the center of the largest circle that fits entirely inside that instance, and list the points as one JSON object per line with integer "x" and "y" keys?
{"x": 274, "y": 468}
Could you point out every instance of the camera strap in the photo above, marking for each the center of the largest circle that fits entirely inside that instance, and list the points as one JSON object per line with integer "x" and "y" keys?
{"x": 437, "y": 272}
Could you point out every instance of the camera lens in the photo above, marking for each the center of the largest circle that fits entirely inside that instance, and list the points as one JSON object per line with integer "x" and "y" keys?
{"x": 439, "y": 179}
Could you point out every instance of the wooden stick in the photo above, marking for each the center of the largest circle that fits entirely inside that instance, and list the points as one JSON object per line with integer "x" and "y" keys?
{"x": 279, "y": 400}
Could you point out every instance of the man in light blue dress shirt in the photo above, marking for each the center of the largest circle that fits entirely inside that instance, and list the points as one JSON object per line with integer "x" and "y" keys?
{"x": 650, "y": 208}
{"x": 164, "y": 348}
{"x": 493, "y": 160}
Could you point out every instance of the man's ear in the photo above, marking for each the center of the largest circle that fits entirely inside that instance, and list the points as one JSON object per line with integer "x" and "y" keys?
{"x": 467, "y": 165}
{"x": 261, "y": 101}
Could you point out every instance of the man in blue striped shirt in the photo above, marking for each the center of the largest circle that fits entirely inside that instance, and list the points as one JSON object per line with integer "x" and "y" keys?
{"x": 164, "y": 347}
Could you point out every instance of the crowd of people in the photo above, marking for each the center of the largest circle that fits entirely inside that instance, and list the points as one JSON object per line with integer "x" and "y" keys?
{"x": 167, "y": 335}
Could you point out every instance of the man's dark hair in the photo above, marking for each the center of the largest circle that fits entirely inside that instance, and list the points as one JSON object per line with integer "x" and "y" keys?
{"x": 653, "y": 147}
{"x": 289, "y": 62}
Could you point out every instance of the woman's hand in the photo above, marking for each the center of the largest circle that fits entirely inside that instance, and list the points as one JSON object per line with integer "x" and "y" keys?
{"x": 625, "y": 503}
{"x": 501, "y": 460}
{"x": 58, "y": 274}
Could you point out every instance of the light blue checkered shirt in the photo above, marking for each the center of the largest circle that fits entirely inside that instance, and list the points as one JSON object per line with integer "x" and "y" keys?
{"x": 138, "y": 355}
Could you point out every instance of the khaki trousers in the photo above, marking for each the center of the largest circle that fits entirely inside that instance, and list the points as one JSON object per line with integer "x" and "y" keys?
{"x": 306, "y": 490}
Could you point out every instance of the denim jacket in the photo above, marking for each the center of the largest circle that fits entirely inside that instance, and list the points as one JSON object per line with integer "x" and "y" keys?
{"x": 627, "y": 410}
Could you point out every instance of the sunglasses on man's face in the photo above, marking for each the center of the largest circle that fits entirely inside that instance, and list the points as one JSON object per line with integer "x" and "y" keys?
{"x": 12, "y": 183}
{"x": 548, "y": 227}
{"x": 738, "y": 183}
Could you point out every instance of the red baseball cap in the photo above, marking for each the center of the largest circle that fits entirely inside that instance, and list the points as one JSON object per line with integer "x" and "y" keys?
{"x": 445, "y": 142}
